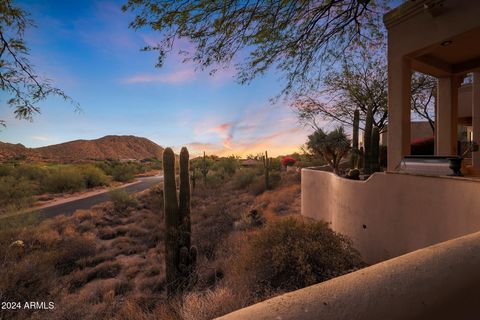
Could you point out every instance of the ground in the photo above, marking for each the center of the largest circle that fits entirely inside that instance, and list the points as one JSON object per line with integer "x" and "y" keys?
{"x": 107, "y": 262}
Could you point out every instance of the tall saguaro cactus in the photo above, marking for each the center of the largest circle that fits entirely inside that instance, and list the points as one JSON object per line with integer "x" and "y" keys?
{"x": 204, "y": 168}
{"x": 267, "y": 166}
{"x": 355, "y": 151}
{"x": 375, "y": 149}
{"x": 180, "y": 256}
{"x": 367, "y": 140}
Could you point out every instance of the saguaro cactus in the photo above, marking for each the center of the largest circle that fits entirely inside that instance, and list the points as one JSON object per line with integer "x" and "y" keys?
{"x": 375, "y": 150}
{"x": 204, "y": 169}
{"x": 180, "y": 256}
{"x": 367, "y": 140}
{"x": 355, "y": 151}
{"x": 193, "y": 177}
{"x": 267, "y": 166}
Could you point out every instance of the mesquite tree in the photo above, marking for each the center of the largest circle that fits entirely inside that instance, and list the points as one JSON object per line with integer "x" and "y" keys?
{"x": 295, "y": 37}
{"x": 18, "y": 77}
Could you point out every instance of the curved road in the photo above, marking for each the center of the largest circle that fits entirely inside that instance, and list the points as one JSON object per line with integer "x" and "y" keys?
{"x": 68, "y": 208}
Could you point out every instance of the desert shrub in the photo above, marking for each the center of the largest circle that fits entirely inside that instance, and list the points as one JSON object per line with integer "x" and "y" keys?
{"x": 28, "y": 279}
{"x": 64, "y": 179}
{"x": 229, "y": 165}
{"x": 215, "y": 179}
{"x": 31, "y": 172}
{"x": 71, "y": 252}
{"x": 288, "y": 161}
{"x": 15, "y": 193}
{"x": 6, "y": 170}
{"x": 257, "y": 186}
{"x": 290, "y": 253}
{"x": 121, "y": 200}
{"x": 93, "y": 176}
{"x": 210, "y": 304}
{"x": 123, "y": 172}
{"x": 243, "y": 178}
{"x": 424, "y": 146}
{"x": 275, "y": 164}
{"x": 275, "y": 179}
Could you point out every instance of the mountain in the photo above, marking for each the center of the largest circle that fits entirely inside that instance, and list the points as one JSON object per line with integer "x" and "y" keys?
{"x": 10, "y": 150}
{"x": 108, "y": 147}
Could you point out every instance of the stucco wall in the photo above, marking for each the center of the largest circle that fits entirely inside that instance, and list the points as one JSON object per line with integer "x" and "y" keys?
{"x": 391, "y": 214}
{"x": 438, "y": 282}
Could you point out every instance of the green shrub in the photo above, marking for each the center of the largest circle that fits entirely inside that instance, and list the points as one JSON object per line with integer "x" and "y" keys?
{"x": 93, "y": 176}
{"x": 6, "y": 170}
{"x": 215, "y": 179}
{"x": 121, "y": 200}
{"x": 64, "y": 179}
{"x": 228, "y": 165}
{"x": 123, "y": 172}
{"x": 276, "y": 164}
{"x": 257, "y": 186}
{"x": 31, "y": 172}
{"x": 243, "y": 178}
{"x": 15, "y": 193}
{"x": 290, "y": 254}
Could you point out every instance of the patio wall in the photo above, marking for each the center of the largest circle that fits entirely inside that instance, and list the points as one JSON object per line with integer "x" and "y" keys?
{"x": 391, "y": 214}
{"x": 439, "y": 282}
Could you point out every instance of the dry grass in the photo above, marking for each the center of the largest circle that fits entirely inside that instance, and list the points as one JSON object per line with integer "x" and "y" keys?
{"x": 107, "y": 263}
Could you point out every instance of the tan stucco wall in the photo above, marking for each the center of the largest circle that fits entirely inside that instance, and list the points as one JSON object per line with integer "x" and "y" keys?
{"x": 391, "y": 214}
{"x": 438, "y": 282}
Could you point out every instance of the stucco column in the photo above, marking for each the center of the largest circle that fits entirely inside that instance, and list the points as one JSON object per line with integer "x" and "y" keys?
{"x": 399, "y": 95}
{"x": 476, "y": 118}
{"x": 446, "y": 116}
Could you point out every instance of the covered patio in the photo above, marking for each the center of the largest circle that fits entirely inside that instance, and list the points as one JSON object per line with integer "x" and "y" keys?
{"x": 398, "y": 211}
{"x": 440, "y": 38}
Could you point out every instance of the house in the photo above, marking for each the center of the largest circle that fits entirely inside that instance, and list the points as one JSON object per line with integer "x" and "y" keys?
{"x": 420, "y": 232}
{"x": 392, "y": 213}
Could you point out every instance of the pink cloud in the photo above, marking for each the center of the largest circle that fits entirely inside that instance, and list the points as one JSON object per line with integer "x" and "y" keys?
{"x": 176, "y": 77}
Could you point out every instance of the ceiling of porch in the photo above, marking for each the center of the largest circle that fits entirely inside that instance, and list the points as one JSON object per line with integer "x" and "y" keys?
{"x": 457, "y": 55}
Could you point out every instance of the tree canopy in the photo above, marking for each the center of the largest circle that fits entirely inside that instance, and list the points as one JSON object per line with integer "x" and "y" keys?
{"x": 295, "y": 37}
{"x": 17, "y": 74}
{"x": 361, "y": 83}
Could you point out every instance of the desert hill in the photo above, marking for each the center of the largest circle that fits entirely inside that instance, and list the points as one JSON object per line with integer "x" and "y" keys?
{"x": 108, "y": 147}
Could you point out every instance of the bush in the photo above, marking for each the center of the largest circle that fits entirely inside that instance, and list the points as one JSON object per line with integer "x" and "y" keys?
{"x": 64, "y": 179}
{"x": 228, "y": 165}
{"x": 93, "y": 176}
{"x": 6, "y": 170}
{"x": 210, "y": 304}
{"x": 121, "y": 200}
{"x": 423, "y": 146}
{"x": 123, "y": 172}
{"x": 288, "y": 161}
{"x": 31, "y": 172}
{"x": 15, "y": 193}
{"x": 290, "y": 254}
{"x": 215, "y": 179}
{"x": 243, "y": 178}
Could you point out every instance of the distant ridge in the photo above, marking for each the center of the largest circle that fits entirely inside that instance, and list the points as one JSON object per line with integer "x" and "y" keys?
{"x": 108, "y": 147}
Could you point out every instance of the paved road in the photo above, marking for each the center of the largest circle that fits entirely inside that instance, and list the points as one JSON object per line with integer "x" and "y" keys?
{"x": 70, "y": 207}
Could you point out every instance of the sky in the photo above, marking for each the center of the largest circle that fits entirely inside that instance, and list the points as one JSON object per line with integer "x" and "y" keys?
{"x": 86, "y": 48}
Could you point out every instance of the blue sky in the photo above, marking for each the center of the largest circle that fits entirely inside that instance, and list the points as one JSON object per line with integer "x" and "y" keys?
{"x": 86, "y": 48}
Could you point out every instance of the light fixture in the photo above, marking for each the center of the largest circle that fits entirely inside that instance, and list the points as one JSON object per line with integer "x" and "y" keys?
{"x": 446, "y": 43}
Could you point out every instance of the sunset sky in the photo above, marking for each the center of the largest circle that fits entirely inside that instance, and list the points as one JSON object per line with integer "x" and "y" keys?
{"x": 86, "y": 48}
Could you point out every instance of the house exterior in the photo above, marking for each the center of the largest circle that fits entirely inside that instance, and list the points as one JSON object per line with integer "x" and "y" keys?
{"x": 393, "y": 213}
{"x": 420, "y": 232}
